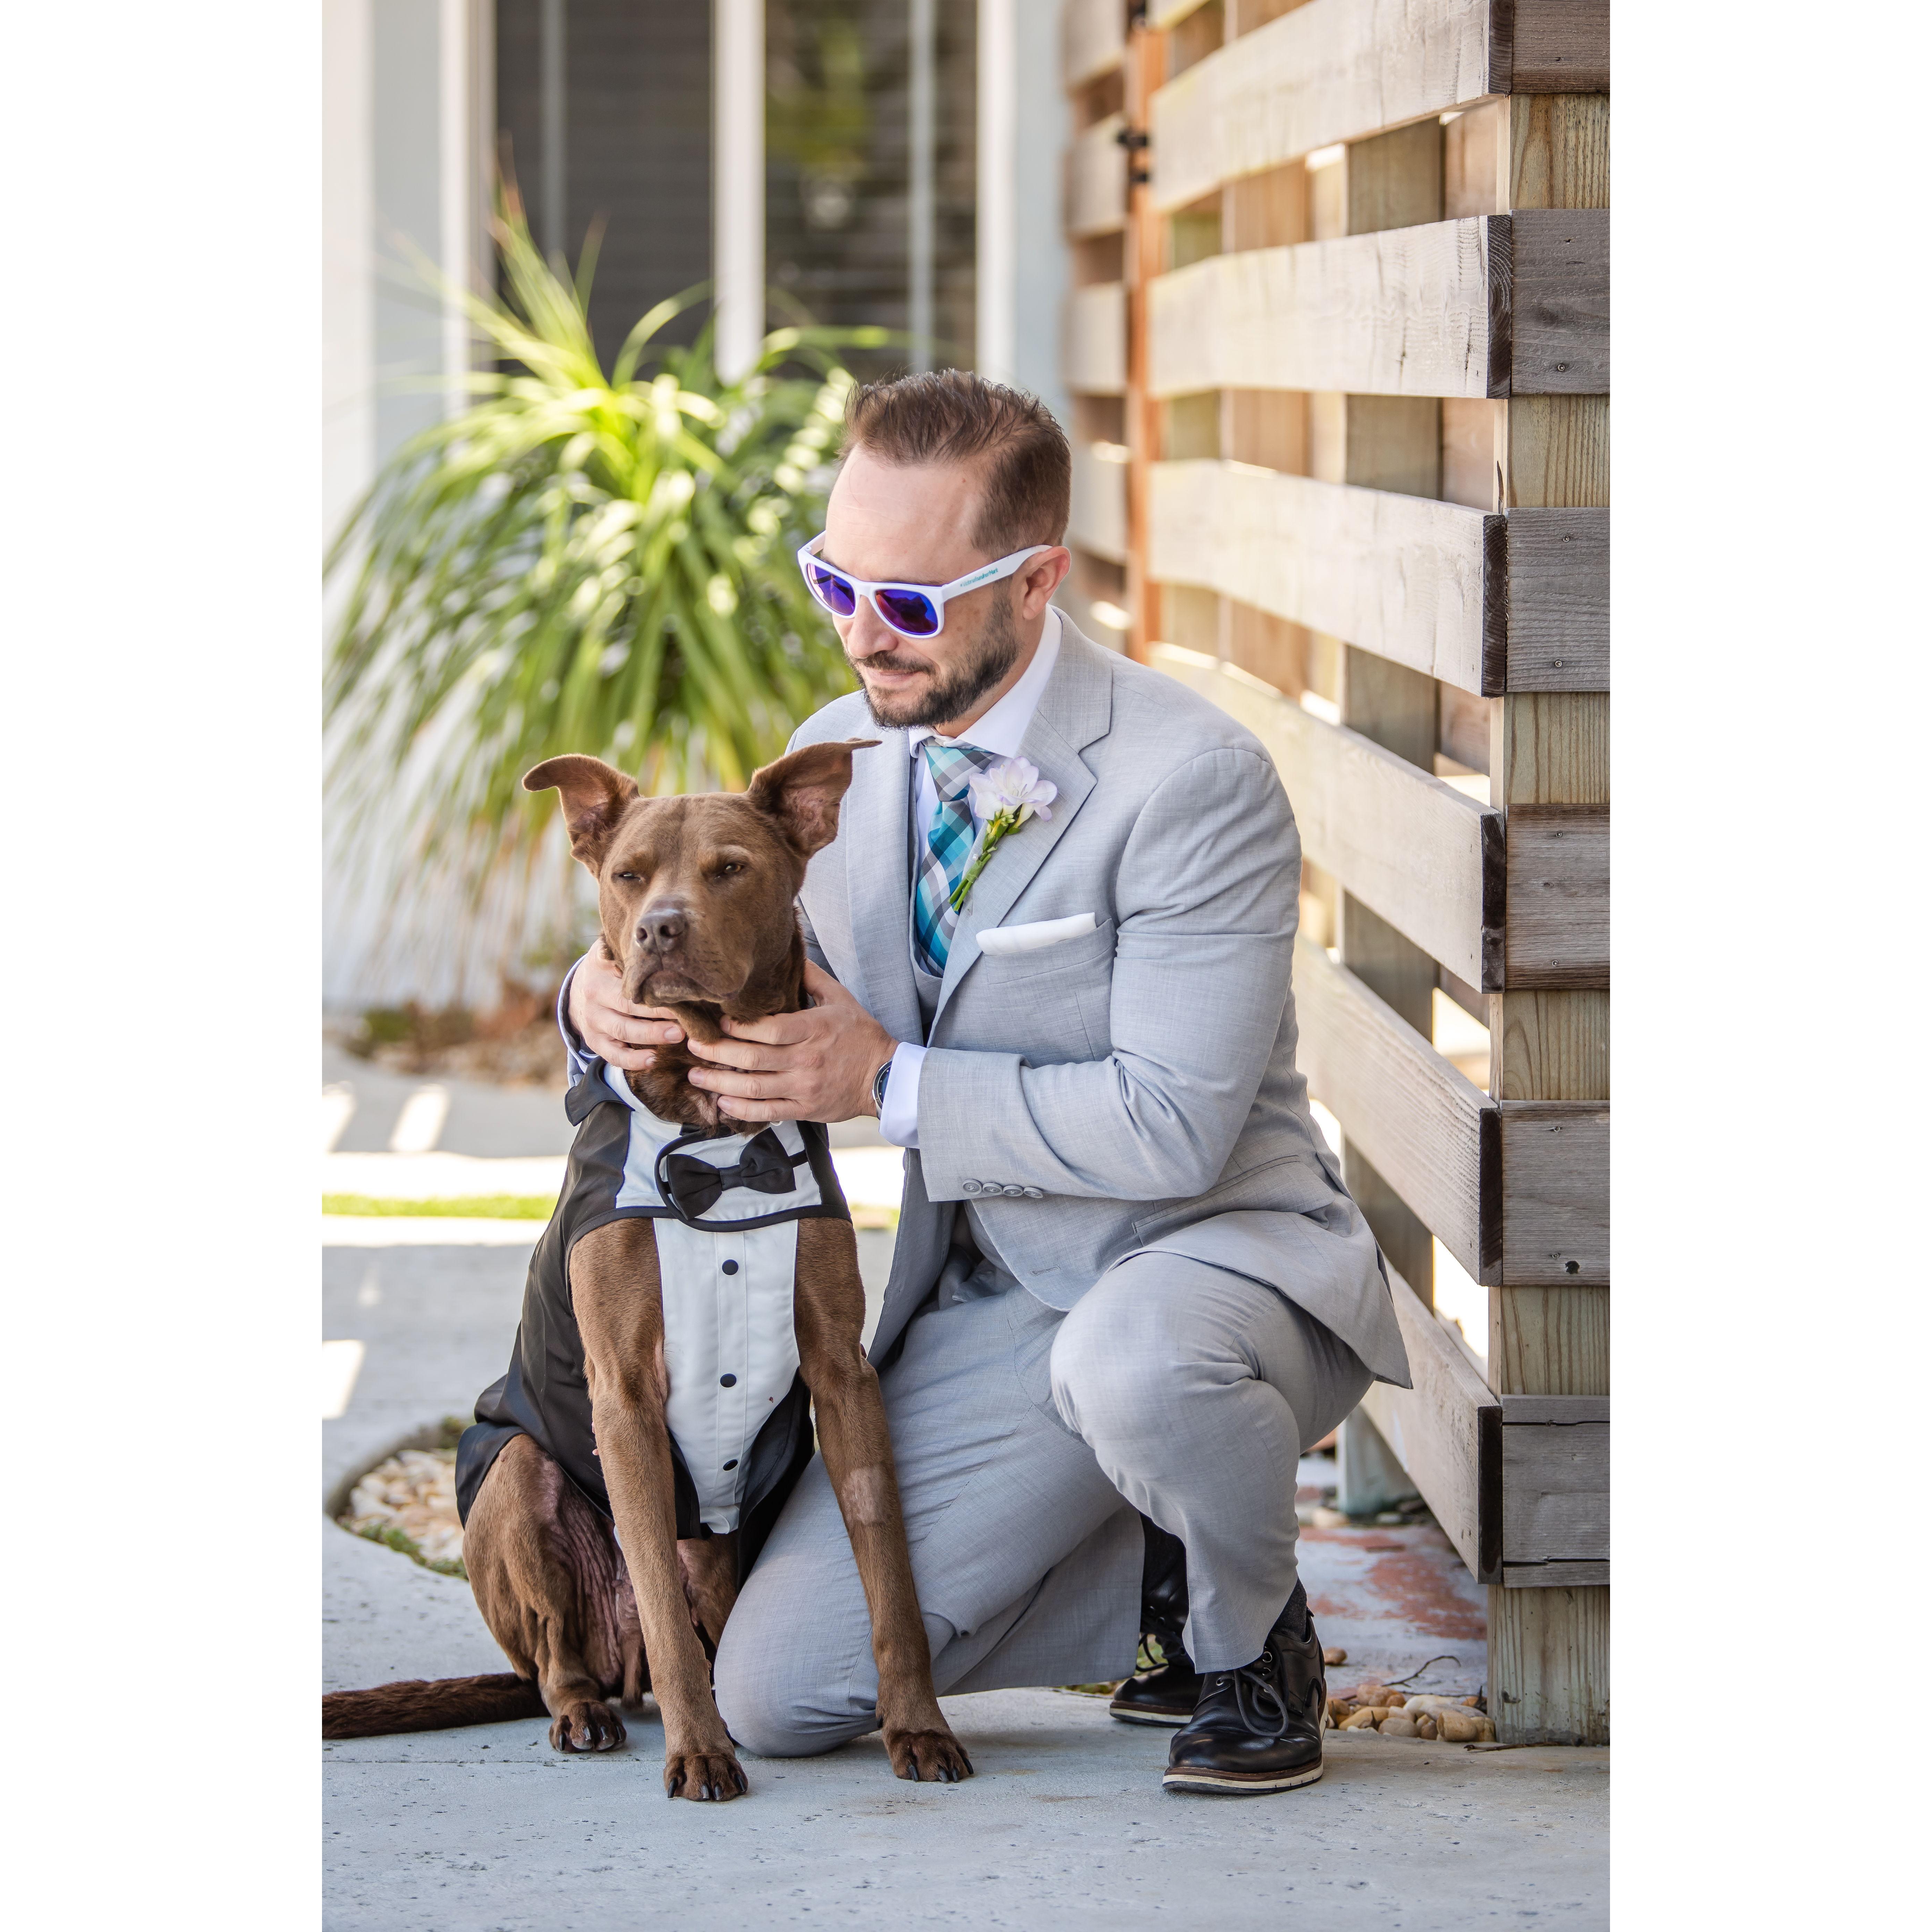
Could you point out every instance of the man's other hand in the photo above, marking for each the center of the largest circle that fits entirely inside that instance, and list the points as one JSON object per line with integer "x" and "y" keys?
{"x": 818, "y": 1065}
{"x": 608, "y": 1023}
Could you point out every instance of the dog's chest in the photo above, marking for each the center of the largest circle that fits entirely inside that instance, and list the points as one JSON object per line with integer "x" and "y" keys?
{"x": 730, "y": 1341}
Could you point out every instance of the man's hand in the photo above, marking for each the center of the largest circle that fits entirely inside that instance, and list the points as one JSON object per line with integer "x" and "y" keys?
{"x": 608, "y": 1023}
{"x": 818, "y": 1065}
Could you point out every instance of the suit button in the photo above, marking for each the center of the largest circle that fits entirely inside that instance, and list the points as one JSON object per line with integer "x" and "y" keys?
{"x": 727, "y": 1382}
{"x": 969, "y": 1187}
{"x": 730, "y": 1267}
{"x": 1036, "y": 1194}
{"x": 733, "y": 1464}
{"x": 1013, "y": 1188}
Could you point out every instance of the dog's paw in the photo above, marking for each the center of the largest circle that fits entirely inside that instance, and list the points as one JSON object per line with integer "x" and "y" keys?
{"x": 927, "y": 1757}
{"x": 588, "y": 1726}
{"x": 708, "y": 1776}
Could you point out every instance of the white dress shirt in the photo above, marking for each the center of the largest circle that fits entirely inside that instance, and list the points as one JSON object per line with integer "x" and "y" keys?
{"x": 1001, "y": 731}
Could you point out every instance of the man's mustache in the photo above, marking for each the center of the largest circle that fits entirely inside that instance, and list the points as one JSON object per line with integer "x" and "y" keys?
{"x": 886, "y": 660}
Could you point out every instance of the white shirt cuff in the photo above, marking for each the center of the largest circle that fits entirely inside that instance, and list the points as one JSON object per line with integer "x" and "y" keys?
{"x": 898, "y": 1118}
{"x": 577, "y": 1055}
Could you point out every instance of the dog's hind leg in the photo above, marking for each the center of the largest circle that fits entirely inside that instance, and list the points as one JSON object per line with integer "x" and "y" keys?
{"x": 552, "y": 1588}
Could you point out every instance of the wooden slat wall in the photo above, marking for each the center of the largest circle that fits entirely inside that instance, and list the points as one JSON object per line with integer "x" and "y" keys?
{"x": 1368, "y": 415}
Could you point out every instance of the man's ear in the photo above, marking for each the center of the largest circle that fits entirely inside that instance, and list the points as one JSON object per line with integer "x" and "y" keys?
{"x": 594, "y": 795}
{"x": 802, "y": 791}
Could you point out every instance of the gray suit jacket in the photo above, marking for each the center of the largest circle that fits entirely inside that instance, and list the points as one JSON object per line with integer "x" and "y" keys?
{"x": 1133, "y": 1088}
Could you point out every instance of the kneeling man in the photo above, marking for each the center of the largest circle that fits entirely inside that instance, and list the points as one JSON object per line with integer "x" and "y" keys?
{"x": 1128, "y": 1287}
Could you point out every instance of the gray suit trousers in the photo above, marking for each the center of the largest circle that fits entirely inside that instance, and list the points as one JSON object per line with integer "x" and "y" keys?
{"x": 1025, "y": 1438}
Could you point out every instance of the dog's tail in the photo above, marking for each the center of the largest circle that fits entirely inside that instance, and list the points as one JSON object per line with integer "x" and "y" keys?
{"x": 419, "y": 1704}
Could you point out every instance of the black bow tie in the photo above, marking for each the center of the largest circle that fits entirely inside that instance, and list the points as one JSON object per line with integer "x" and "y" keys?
{"x": 693, "y": 1186}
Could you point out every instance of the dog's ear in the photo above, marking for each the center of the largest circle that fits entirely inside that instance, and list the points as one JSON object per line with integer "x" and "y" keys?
{"x": 802, "y": 791}
{"x": 594, "y": 795}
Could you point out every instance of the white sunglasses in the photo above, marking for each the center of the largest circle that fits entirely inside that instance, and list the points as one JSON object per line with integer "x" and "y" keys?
{"x": 912, "y": 609}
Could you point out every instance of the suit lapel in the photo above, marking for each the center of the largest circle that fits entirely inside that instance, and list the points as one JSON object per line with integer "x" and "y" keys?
{"x": 874, "y": 832}
{"x": 1075, "y": 709}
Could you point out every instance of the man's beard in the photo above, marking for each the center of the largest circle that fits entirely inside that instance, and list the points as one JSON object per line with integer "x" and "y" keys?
{"x": 951, "y": 692}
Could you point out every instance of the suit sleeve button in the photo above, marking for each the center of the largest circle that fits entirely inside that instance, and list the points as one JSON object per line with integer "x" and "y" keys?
{"x": 969, "y": 1187}
{"x": 1036, "y": 1194}
{"x": 1013, "y": 1188}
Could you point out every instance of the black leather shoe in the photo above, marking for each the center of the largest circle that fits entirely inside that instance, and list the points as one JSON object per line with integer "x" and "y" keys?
{"x": 1259, "y": 1728}
{"x": 1165, "y": 1685}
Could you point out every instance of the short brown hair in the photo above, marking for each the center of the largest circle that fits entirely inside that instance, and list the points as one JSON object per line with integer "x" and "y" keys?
{"x": 951, "y": 416}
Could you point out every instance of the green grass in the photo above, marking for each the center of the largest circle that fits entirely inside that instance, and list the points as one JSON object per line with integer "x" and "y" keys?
{"x": 465, "y": 1207}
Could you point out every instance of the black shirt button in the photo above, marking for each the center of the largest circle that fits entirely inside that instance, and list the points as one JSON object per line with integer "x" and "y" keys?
{"x": 727, "y": 1382}
{"x": 733, "y": 1464}
{"x": 730, "y": 1267}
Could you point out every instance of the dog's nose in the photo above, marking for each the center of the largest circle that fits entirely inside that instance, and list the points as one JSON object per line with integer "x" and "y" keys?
{"x": 661, "y": 924}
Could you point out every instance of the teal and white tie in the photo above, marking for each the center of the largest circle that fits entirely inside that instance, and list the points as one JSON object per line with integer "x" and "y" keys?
{"x": 949, "y": 844}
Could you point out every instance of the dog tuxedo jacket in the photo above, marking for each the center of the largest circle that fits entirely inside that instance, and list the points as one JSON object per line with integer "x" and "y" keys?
{"x": 727, "y": 1208}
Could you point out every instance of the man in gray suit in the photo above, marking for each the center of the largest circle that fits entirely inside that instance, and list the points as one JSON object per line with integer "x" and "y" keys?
{"x": 1128, "y": 1286}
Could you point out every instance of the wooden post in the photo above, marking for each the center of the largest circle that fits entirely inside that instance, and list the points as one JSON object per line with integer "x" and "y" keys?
{"x": 1549, "y": 1678}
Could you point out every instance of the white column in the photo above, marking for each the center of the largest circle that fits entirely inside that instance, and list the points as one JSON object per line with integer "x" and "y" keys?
{"x": 997, "y": 251}
{"x": 923, "y": 34}
{"x": 738, "y": 181}
{"x": 456, "y": 188}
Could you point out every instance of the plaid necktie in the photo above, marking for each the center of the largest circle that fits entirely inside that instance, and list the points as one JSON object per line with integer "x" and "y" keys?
{"x": 949, "y": 844}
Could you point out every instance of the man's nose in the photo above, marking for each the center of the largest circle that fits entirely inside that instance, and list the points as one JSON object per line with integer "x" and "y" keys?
{"x": 661, "y": 924}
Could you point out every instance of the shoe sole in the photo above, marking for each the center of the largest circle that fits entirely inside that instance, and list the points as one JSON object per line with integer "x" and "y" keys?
{"x": 1140, "y": 1714}
{"x": 1240, "y": 1784}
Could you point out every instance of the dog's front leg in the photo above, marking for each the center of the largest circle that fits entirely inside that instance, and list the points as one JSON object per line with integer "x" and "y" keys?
{"x": 829, "y": 1318}
{"x": 615, "y": 1290}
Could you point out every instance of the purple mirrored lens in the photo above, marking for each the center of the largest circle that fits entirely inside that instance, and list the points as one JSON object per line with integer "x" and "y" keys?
{"x": 909, "y": 611}
{"x": 833, "y": 590}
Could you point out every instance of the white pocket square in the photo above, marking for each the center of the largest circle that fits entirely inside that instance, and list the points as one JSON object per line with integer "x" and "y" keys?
{"x": 1002, "y": 942}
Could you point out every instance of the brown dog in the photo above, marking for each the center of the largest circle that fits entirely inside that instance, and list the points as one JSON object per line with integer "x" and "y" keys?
{"x": 696, "y": 896}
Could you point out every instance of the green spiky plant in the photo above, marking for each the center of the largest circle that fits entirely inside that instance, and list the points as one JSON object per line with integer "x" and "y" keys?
{"x": 579, "y": 561}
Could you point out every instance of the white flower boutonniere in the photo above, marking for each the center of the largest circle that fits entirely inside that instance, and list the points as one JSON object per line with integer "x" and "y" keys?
{"x": 1005, "y": 798}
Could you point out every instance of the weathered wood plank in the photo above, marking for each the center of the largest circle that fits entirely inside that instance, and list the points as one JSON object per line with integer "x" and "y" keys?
{"x": 1093, "y": 340}
{"x": 1093, "y": 40}
{"x": 1554, "y": 1576}
{"x": 1096, "y": 180}
{"x": 1561, "y": 1409}
{"x": 1097, "y": 520}
{"x": 1401, "y": 576}
{"x": 1427, "y": 1130}
{"x": 1333, "y": 70}
{"x": 1418, "y": 852}
{"x": 1405, "y": 311}
{"x": 1436, "y": 1428}
{"x": 1560, "y": 302}
{"x": 1556, "y": 1491}
{"x": 1558, "y": 867}
{"x": 1559, "y": 631}
{"x": 1556, "y": 1183}
{"x": 1486, "y": 305}
{"x": 1559, "y": 47}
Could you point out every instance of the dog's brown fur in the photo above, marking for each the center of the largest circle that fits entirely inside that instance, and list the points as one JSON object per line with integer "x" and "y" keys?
{"x": 695, "y": 896}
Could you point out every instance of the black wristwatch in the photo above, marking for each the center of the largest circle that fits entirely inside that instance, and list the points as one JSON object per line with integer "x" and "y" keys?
{"x": 879, "y": 1082}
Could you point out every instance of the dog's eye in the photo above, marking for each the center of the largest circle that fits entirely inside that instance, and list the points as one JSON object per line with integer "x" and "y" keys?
{"x": 630, "y": 878}
{"x": 730, "y": 866}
